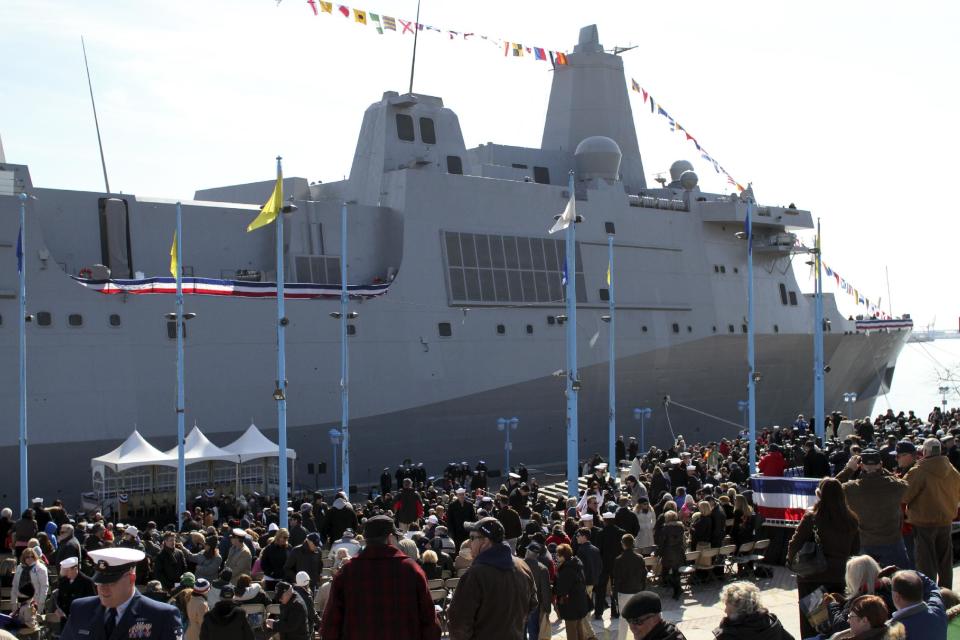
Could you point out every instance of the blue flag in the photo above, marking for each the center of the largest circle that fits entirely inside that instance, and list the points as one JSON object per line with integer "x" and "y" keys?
{"x": 20, "y": 251}
{"x": 748, "y": 229}
{"x": 563, "y": 276}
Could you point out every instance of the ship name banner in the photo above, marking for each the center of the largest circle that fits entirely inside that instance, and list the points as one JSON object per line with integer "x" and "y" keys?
{"x": 230, "y": 288}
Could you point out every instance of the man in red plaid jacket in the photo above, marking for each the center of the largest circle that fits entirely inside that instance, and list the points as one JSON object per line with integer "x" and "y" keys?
{"x": 381, "y": 594}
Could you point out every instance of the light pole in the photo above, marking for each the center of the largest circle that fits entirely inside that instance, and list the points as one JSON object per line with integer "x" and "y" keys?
{"x": 335, "y": 439}
{"x": 752, "y": 376}
{"x": 849, "y": 398}
{"x": 343, "y": 316}
{"x": 943, "y": 392}
{"x": 611, "y": 320}
{"x": 507, "y": 425}
{"x": 642, "y": 414}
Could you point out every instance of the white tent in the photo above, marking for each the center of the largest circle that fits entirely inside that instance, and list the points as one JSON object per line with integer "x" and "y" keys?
{"x": 253, "y": 444}
{"x": 134, "y": 452}
{"x": 196, "y": 448}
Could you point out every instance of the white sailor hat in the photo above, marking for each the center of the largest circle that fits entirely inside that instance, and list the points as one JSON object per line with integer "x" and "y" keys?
{"x": 587, "y": 517}
{"x": 674, "y": 461}
{"x": 68, "y": 563}
{"x": 114, "y": 563}
{"x": 433, "y": 520}
{"x": 608, "y": 515}
{"x": 238, "y": 533}
{"x": 461, "y": 491}
{"x": 691, "y": 467}
{"x": 602, "y": 465}
{"x": 514, "y": 476}
{"x": 131, "y": 531}
{"x": 273, "y": 527}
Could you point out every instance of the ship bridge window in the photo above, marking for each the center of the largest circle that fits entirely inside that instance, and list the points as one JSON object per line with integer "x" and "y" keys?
{"x": 75, "y": 320}
{"x": 783, "y": 294}
{"x": 444, "y": 329}
{"x": 455, "y": 165}
{"x": 793, "y": 298}
{"x": 405, "y": 127}
{"x": 541, "y": 175}
{"x": 44, "y": 319}
{"x": 496, "y": 269}
{"x": 428, "y": 133}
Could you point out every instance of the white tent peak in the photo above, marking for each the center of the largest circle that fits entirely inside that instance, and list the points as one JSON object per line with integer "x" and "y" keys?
{"x": 253, "y": 444}
{"x": 134, "y": 452}
{"x": 197, "y": 448}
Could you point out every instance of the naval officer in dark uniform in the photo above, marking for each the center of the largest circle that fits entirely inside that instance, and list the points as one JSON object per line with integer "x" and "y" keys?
{"x": 119, "y": 612}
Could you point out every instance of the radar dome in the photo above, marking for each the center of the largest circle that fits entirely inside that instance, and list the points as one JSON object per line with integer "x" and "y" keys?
{"x": 598, "y": 157}
{"x": 677, "y": 169}
{"x": 689, "y": 180}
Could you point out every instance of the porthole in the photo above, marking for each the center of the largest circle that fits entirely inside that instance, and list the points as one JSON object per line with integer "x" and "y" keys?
{"x": 75, "y": 320}
{"x": 114, "y": 319}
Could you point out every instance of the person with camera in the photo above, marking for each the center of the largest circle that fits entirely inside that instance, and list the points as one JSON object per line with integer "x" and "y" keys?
{"x": 875, "y": 495}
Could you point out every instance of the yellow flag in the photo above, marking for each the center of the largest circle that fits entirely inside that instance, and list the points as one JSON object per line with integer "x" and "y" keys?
{"x": 608, "y": 274}
{"x": 173, "y": 256}
{"x": 326, "y": 7}
{"x": 272, "y": 207}
{"x": 360, "y": 16}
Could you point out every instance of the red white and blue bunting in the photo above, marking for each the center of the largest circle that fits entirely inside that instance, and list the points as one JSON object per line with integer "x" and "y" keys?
{"x": 231, "y": 288}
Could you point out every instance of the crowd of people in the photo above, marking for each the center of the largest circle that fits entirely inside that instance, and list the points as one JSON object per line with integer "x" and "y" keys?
{"x": 873, "y": 557}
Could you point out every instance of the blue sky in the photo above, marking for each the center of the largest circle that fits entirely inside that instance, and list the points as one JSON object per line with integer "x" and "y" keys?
{"x": 846, "y": 109}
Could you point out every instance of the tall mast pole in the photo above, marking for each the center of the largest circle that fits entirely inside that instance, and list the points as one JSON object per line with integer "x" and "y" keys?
{"x": 281, "y": 395}
{"x": 612, "y": 418}
{"x": 22, "y": 324}
{"x": 573, "y": 383}
{"x": 344, "y": 356}
{"x": 181, "y": 321}
{"x": 751, "y": 363}
{"x": 818, "y": 342}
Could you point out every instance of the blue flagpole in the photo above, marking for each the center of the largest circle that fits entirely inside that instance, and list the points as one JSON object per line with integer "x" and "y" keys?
{"x": 180, "y": 320}
{"x": 612, "y": 420}
{"x": 22, "y": 272}
{"x": 344, "y": 357}
{"x": 573, "y": 383}
{"x": 818, "y": 345}
{"x": 751, "y": 364}
{"x": 281, "y": 395}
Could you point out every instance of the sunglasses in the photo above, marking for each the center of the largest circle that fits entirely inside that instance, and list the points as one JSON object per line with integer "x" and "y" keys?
{"x": 639, "y": 621}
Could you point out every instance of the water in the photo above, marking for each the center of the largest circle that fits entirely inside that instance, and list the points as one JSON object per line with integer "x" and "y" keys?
{"x": 922, "y": 368}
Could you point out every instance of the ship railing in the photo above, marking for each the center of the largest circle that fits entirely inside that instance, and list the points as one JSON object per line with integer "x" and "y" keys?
{"x": 651, "y": 202}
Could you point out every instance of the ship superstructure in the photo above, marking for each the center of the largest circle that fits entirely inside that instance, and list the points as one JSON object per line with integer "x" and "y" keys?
{"x": 470, "y": 328}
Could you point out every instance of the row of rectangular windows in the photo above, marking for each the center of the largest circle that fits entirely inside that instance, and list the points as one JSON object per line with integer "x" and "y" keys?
{"x": 445, "y": 329}
{"x": 45, "y": 319}
{"x": 495, "y": 268}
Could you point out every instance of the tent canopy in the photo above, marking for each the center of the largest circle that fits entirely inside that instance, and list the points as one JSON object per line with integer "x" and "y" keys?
{"x": 134, "y": 452}
{"x": 197, "y": 448}
{"x": 253, "y": 444}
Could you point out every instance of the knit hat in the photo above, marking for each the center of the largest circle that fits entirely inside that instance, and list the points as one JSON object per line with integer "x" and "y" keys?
{"x": 188, "y": 580}
{"x": 641, "y": 604}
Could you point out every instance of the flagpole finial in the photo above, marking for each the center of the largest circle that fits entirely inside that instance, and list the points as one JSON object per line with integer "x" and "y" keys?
{"x": 23, "y": 197}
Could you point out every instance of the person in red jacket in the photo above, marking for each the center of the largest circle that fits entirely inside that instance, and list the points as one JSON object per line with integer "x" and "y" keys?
{"x": 773, "y": 463}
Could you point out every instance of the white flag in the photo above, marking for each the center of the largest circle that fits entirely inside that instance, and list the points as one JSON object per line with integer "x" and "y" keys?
{"x": 568, "y": 216}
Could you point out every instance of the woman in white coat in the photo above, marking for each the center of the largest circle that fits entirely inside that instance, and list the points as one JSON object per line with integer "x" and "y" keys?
{"x": 31, "y": 570}
{"x": 647, "y": 518}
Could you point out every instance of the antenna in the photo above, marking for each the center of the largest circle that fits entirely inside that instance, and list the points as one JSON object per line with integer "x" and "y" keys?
{"x": 96, "y": 122}
{"x": 889, "y": 298}
{"x": 416, "y": 32}
{"x": 618, "y": 50}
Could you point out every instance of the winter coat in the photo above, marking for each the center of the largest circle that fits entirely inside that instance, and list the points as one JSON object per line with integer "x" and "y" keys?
{"x": 67, "y": 591}
{"x": 876, "y": 499}
{"x": 541, "y": 577}
{"x": 169, "y": 566}
{"x": 644, "y": 536}
{"x": 928, "y": 618}
{"x": 772, "y": 464}
{"x": 408, "y": 506}
{"x": 573, "y": 603}
{"x": 592, "y": 563}
{"x": 756, "y": 626}
{"x": 494, "y": 598}
{"x": 629, "y": 573}
{"x": 226, "y": 621}
{"x": 665, "y": 631}
{"x": 272, "y": 560}
{"x": 240, "y": 561}
{"x": 338, "y": 520}
{"x": 302, "y": 559}
{"x": 38, "y": 578}
{"x": 207, "y": 568}
{"x": 69, "y": 548}
{"x": 933, "y": 493}
{"x": 670, "y": 545}
{"x": 610, "y": 545}
{"x": 510, "y": 519}
{"x": 837, "y": 544}
{"x": 626, "y": 519}
{"x": 839, "y": 613}
{"x": 294, "y": 620}
{"x": 197, "y": 608}
{"x": 719, "y": 529}
{"x": 23, "y": 530}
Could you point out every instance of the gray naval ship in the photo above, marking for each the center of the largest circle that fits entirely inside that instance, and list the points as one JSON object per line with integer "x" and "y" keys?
{"x": 470, "y": 326}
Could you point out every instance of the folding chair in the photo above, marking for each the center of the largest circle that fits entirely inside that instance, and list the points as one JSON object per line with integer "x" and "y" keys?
{"x": 742, "y": 558}
{"x": 650, "y": 562}
{"x": 688, "y": 570}
{"x": 436, "y": 583}
{"x": 759, "y": 553}
{"x": 256, "y": 613}
{"x": 439, "y": 597}
{"x": 451, "y": 583}
{"x": 273, "y": 609}
{"x": 723, "y": 557}
{"x": 706, "y": 561}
